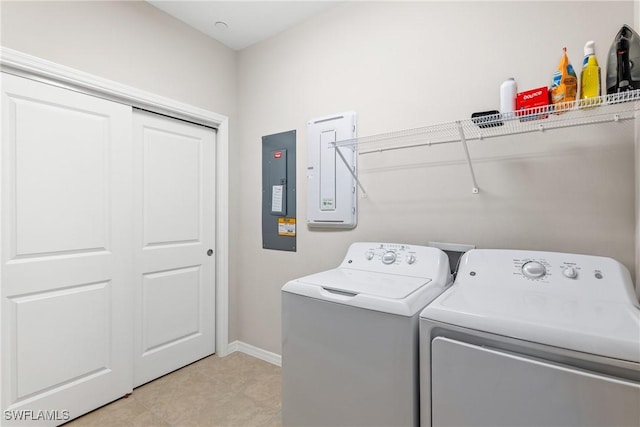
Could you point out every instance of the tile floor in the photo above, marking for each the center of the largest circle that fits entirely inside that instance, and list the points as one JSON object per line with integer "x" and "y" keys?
{"x": 236, "y": 390}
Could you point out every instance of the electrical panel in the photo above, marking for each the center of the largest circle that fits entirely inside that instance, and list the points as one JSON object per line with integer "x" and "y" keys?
{"x": 332, "y": 192}
{"x": 279, "y": 191}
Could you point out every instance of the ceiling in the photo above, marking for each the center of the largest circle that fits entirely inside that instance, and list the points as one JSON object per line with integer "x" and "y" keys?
{"x": 239, "y": 24}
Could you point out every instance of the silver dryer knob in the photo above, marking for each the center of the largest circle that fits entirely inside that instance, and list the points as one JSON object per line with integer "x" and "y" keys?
{"x": 533, "y": 270}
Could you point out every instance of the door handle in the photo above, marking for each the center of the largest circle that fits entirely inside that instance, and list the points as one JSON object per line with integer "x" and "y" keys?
{"x": 210, "y": 252}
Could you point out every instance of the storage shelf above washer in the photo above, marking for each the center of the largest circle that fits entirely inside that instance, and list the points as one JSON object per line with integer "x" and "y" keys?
{"x": 608, "y": 108}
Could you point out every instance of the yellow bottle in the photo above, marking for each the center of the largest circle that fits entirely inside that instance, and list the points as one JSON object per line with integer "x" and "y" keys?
{"x": 590, "y": 88}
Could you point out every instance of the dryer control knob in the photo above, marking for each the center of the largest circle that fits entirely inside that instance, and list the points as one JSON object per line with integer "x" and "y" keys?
{"x": 389, "y": 257}
{"x": 570, "y": 272}
{"x": 411, "y": 258}
{"x": 533, "y": 270}
{"x": 370, "y": 254}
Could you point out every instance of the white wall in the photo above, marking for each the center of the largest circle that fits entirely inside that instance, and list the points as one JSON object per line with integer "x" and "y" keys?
{"x": 409, "y": 64}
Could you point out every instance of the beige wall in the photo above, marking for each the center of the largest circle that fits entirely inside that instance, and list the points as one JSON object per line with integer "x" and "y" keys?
{"x": 129, "y": 42}
{"x": 402, "y": 65}
{"x": 398, "y": 65}
{"x": 636, "y": 26}
{"x": 135, "y": 44}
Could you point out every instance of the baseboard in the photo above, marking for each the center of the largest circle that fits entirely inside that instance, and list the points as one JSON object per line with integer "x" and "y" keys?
{"x": 257, "y": 352}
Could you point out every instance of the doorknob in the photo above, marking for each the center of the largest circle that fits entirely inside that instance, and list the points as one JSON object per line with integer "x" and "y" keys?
{"x": 210, "y": 252}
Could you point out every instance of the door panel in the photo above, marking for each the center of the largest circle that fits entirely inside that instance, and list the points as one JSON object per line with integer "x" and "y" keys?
{"x": 66, "y": 252}
{"x": 86, "y": 354}
{"x": 172, "y": 187}
{"x": 46, "y": 179}
{"x": 171, "y": 308}
{"x": 175, "y": 278}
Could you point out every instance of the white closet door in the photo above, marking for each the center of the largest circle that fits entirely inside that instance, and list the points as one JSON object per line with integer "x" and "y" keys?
{"x": 66, "y": 252}
{"x": 175, "y": 238}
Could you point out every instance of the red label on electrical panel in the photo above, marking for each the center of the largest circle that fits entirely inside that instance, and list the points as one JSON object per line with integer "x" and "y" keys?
{"x": 277, "y": 154}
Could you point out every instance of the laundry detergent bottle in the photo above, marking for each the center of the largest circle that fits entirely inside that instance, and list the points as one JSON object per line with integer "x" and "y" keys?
{"x": 590, "y": 88}
{"x": 564, "y": 85}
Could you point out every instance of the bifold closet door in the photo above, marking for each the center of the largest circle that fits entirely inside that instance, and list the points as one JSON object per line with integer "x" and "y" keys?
{"x": 66, "y": 252}
{"x": 175, "y": 243}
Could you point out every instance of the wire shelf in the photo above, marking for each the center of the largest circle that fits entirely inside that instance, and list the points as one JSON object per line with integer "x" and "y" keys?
{"x": 608, "y": 108}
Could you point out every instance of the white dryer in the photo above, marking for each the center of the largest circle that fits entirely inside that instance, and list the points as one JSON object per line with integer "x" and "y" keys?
{"x": 528, "y": 338}
{"x": 350, "y": 337}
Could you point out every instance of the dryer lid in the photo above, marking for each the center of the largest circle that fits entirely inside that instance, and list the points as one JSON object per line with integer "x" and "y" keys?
{"x": 581, "y": 303}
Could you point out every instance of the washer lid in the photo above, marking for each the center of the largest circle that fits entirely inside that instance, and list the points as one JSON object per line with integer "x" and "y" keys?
{"x": 387, "y": 293}
{"x": 579, "y": 302}
{"x": 388, "y": 277}
{"x": 356, "y": 282}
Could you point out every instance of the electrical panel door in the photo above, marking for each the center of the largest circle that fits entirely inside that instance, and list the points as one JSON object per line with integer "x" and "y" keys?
{"x": 279, "y": 191}
{"x": 332, "y": 195}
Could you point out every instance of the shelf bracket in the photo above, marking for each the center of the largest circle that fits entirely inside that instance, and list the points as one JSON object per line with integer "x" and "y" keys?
{"x": 475, "y": 189}
{"x": 351, "y": 171}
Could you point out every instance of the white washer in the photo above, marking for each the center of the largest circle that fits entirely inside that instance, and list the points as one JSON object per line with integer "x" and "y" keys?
{"x": 528, "y": 338}
{"x": 350, "y": 337}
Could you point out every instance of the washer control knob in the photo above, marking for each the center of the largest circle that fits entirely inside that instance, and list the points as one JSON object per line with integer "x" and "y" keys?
{"x": 370, "y": 254}
{"x": 389, "y": 257}
{"x": 411, "y": 258}
{"x": 570, "y": 272}
{"x": 533, "y": 270}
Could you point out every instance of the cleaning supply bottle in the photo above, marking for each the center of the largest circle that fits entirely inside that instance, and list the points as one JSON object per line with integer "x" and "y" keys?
{"x": 590, "y": 89}
{"x": 564, "y": 85}
{"x": 508, "y": 91}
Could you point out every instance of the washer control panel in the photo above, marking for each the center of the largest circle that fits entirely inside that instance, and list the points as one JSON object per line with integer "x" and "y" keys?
{"x": 396, "y": 258}
{"x": 390, "y": 253}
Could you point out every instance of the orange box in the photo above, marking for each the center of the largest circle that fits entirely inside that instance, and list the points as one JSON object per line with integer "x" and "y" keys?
{"x": 534, "y": 98}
